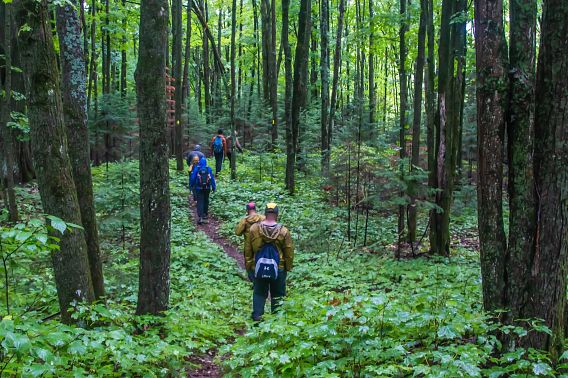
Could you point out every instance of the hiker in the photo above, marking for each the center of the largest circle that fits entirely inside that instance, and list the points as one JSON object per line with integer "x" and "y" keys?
{"x": 219, "y": 148}
{"x": 232, "y": 143}
{"x": 192, "y": 154}
{"x": 269, "y": 255}
{"x": 252, "y": 217}
{"x": 202, "y": 182}
{"x": 192, "y": 159}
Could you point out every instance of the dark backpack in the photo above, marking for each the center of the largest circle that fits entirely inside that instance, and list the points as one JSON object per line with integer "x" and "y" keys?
{"x": 266, "y": 262}
{"x": 218, "y": 144}
{"x": 204, "y": 179}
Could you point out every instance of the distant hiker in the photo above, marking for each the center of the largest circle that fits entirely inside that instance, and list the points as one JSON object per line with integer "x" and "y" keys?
{"x": 196, "y": 152}
{"x": 202, "y": 182}
{"x": 269, "y": 255}
{"x": 232, "y": 143}
{"x": 252, "y": 217}
{"x": 219, "y": 148}
{"x": 192, "y": 159}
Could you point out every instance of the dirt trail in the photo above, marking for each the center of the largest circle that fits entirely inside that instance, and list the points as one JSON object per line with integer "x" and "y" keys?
{"x": 211, "y": 229}
{"x": 208, "y": 368}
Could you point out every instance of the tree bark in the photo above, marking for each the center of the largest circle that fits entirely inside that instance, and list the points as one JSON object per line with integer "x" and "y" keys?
{"x": 233, "y": 90}
{"x": 177, "y": 72}
{"x": 335, "y": 82}
{"x": 154, "y": 278}
{"x": 372, "y": 88}
{"x": 491, "y": 101}
{"x": 417, "y": 116}
{"x": 75, "y": 117}
{"x": 549, "y": 265}
{"x": 324, "y": 68}
{"x": 402, "y": 110}
{"x": 300, "y": 85}
{"x": 6, "y": 140}
{"x": 51, "y": 159}
{"x": 520, "y": 133}
{"x": 288, "y": 89}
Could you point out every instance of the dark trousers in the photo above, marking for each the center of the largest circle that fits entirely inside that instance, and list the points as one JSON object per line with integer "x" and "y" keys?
{"x": 219, "y": 161}
{"x": 262, "y": 287}
{"x": 202, "y": 202}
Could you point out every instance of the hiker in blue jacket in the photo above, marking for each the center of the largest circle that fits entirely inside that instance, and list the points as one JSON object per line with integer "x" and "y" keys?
{"x": 202, "y": 182}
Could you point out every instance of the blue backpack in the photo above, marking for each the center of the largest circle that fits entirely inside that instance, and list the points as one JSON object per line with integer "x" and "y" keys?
{"x": 218, "y": 145}
{"x": 266, "y": 262}
{"x": 203, "y": 179}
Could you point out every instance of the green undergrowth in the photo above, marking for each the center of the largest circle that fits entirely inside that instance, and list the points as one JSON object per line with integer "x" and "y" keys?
{"x": 205, "y": 301}
{"x": 353, "y": 311}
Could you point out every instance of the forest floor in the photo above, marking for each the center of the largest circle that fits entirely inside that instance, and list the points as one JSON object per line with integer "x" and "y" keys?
{"x": 351, "y": 309}
{"x": 207, "y": 363}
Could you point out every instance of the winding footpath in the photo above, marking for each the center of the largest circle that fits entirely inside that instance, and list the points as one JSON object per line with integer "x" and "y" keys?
{"x": 208, "y": 367}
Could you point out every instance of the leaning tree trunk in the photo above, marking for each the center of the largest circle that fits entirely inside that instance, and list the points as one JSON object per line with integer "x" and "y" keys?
{"x": 75, "y": 116}
{"x": 51, "y": 161}
{"x": 154, "y": 279}
{"x": 6, "y": 140}
{"x": 491, "y": 101}
{"x": 550, "y": 259}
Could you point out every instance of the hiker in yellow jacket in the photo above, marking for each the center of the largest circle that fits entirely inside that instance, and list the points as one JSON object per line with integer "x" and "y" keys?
{"x": 246, "y": 222}
{"x": 269, "y": 256}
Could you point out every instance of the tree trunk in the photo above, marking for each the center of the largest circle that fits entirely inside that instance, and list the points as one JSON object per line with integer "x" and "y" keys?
{"x": 417, "y": 117}
{"x": 430, "y": 106}
{"x": 288, "y": 89}
{"x": 549, "y": 265}
{"x": 233, "y": 90}
{"x": 445, "y": 137}
{"x": 185, "y": 84}
{"x": 206, "y": 76}
{"x": 372, "y": 88}
{"x": 6, "y": 140}
{"x": 266, "y": 45}
{"x": 51, "y": 161}
{"x": 177, "y": 72}
{"x": 273, "y": 75}
{"x": 75, "y": 117}
{"x": 154, "y": 278}
{"x": 402, "y": 110}
{"x": 491, "y": 100}
{"x": 123, "y": 61}
{"x": 300, "y": 85}
{"x": 324, "y": 68}
{"x": 520, "y": 133}
{"x": 335, "y": 82}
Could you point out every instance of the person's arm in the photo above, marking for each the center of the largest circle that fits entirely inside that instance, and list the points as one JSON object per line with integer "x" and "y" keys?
{"x": 240, "y": 229}
{"x": 238, "y": 145}
{"x": 249, "y": 255}
{"x": 192, "y": 178}
{"x": 288, "y": 252}
{"x": 213, "y": 183}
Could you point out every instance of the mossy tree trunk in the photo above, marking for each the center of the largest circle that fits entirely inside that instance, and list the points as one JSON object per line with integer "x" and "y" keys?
{"x": 154, "y": 276}
{"x": 549, "y": 264}
{"x": 6, "y": 140}
{"x": 50, "y": 151}
{"x": 74, "y": 111}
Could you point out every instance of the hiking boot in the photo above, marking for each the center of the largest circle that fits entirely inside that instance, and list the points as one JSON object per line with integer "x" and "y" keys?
{"x": 200, "y": 221}
{"x": 205, "y": 221}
